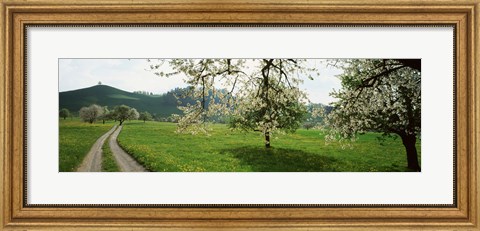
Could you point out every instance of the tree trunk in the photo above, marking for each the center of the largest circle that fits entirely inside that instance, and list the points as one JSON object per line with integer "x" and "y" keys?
{"x": 267, "y": 139}
{"x": 412, "y": 159}
{"x": 121, "y": 122}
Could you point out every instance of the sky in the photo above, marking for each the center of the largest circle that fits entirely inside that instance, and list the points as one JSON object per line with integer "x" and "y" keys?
{"x": 134, "y": 75}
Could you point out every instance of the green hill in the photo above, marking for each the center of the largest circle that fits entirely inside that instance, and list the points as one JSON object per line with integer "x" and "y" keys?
{"x": 158, "y": 105}
{"x": 161, "y": 105}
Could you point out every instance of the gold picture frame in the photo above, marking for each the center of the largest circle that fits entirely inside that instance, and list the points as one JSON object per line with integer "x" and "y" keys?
{"x": 17, "y": 14}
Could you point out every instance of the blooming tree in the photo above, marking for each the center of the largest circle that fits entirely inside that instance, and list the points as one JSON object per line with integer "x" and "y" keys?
{"x": 258, "y": 94}
{"x": 133, "y": 114}
{"x": 106, "y": 115}
{"x": 124, "y": 112}
{"x": 271, "y": 100}
{"x": 91, "y": 113}
{"x": 379, "y": 95}
{"x": 145, "y": 116}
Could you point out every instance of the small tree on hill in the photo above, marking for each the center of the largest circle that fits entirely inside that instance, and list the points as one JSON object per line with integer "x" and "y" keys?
{"x": 91, "y": 113}
{"x": 64, "y": 113}
{"x": 145, "y": 116}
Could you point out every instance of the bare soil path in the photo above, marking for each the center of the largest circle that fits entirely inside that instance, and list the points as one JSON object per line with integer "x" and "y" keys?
{"x": 93, "y": 160}
{"x": 125, "y": 162}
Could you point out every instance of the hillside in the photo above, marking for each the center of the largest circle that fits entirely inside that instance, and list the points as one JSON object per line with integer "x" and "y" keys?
{"x": 162, "y": 105}
{"x": 159, "y": 105}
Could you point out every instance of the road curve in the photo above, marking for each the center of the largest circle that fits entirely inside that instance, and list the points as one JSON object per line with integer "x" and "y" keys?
{"x": 125, "y": 162}
{"x": 93, "y": 160}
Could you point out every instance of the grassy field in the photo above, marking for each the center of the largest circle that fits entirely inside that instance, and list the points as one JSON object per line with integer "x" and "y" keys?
{"x": 76, "y": 139}
{"x": 158, "y": 148}
{"x": 108, "y": 161}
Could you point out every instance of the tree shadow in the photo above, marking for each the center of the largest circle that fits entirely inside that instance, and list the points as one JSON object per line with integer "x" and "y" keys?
{"x": 261, "y": 159}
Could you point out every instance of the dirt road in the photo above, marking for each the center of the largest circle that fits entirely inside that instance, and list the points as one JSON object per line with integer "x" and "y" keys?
{"x": 125, "y": 162}
{"x": 93, "y": 160}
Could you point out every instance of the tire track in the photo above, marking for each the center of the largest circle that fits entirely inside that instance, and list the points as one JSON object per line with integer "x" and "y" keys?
{"x": 93, "y": 160}
{"x": 125, "y": 162}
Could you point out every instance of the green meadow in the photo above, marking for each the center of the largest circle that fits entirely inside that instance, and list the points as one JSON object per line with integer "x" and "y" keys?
{"x": 156, "y": 146}
{"x": 76, "y": 139}
{"x": 108, "y": 161}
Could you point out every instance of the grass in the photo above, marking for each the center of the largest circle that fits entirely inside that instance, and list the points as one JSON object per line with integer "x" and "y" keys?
{"x": 108, "y": 161}
{"x": 158, "y": 148}
{"x": 75, "y": 140}
{"x": 119, "y": 96}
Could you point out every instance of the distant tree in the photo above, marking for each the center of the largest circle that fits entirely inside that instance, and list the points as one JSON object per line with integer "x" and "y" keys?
{"x": 145, "y": 116}
{"x": 106, "y": 114}
{"x": 64, "y": 113}
{"x": 308, "y": 125}
{"x": 155, "y": 117}
{"x": 99, "y": 82}
{"x": 134, "y": 114}
{"x": 124, "y": 112}
{"x": 91, "y": 113}
{"x": 174, "y": 118}
{"x": 143, "y": 92}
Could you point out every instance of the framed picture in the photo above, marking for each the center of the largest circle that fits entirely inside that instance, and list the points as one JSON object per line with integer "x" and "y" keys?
{"x": 239, "y": 115}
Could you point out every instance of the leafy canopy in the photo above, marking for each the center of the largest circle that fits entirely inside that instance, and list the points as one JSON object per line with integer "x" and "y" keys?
{"x": 376, "y": 95}
{"x": 257, "y": 94}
